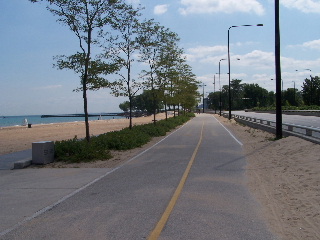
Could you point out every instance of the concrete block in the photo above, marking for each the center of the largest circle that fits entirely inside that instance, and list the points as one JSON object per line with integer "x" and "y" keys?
{"x": 22, "y": 164}
{"x": 42, "y": 152}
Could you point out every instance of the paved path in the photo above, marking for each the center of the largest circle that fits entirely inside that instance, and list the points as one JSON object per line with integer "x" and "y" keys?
{"x": 7, "y": 161}
{"x": 191, "y": 185}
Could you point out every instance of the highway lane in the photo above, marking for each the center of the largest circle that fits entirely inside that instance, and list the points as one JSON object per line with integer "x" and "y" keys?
{"x": 309, "y": 121}
{"x": 214, "y": 202}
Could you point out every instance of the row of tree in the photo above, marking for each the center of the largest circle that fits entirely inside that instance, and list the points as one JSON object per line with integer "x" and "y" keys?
{"x": 112, "y": 37}
{"x": 247, "y": 96}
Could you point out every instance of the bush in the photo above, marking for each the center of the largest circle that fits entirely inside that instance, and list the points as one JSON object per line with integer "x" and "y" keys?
{"x": 75, "y": 150}
{"x": 124, "y": 139}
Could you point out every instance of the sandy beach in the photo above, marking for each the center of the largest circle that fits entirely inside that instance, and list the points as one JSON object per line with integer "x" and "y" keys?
{"x": 20, "y": 138}
{"x": 283, "y": 175}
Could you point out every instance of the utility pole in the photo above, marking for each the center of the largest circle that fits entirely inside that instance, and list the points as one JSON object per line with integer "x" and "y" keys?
{"x": 278, "y": 72}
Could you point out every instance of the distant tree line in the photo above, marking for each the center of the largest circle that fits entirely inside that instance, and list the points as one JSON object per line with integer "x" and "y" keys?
{"x": 248, "y": 96}
{"x": 113, "y": 39}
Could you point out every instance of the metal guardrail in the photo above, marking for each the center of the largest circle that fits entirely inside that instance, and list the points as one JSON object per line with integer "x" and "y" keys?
{"x": 308, "y": 133}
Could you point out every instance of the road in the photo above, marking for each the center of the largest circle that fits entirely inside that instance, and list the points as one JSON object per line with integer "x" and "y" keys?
{"x": 308, "y": 121}
{"x": 191, "y": 185}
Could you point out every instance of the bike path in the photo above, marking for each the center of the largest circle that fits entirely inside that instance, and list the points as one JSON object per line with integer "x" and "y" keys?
{"x": 129, "y": 201}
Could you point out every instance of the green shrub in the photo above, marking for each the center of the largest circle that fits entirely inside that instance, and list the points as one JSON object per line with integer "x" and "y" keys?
{"x": 75, "y": 150}
{"x": 123, "y": 140}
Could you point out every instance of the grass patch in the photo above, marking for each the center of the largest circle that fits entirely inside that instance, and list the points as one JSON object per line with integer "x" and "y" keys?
{"x": 79, "y": 150}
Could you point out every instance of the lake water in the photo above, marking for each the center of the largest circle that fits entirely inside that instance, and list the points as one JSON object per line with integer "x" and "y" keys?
{"x": 7, "y": 121}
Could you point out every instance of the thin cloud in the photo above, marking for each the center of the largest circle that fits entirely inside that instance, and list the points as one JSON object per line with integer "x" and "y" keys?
{"x": 306, "y": 6}
{"x": 160, "y": 9}
{"x": 212, "y": 55}
{"x": 225, "y": 6}
{"x": 314, "y": 45}
{"x": 258, "y": 59}
{"x": 204, "y": 52}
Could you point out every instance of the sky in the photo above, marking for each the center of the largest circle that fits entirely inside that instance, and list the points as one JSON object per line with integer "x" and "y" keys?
{"x": 31, "y": 37}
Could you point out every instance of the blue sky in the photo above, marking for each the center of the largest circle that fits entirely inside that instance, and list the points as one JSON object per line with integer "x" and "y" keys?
{"x": 30, "y": 37}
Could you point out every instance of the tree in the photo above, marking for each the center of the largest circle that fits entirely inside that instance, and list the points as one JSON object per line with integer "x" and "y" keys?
{"x": 124, "y": 106}
{"x": 291, "y": 97}
{"x": 142, "y": 102}
{"x": 188, "y": 94}
{"x": 311, "y": 91}
{"x": 85, "y": 18}
{"x": 150, "y": 40}
{"x": 236, "y": 93}
{"x": 169, "y": 57}
{"x": 123, "y": 47}
{"x": 224, "y": 96}
{"x": 213, "y": 100}
{"x": 185, "y": 86}
{"x": 254, "y": 96}
{"x": 271, "y": 99}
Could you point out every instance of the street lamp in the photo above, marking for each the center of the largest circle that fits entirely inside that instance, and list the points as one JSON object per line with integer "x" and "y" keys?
{"x": 220, "y": 103}
{"x": 278, "y": 70}
{"x": 229, "y": 90}
{"x": 214, "y": 91}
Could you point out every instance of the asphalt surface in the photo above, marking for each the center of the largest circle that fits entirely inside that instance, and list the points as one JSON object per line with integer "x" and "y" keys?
{"x": 308, "y": 121}
{"x": 127, "y": 202}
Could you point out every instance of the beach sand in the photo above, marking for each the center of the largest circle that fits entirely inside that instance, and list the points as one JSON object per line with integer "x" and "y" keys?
{"x": 283, "y": 175}
{"x": 20, "y": 138}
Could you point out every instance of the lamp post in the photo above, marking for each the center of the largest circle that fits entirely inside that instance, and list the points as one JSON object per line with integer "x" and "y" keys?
{"x": 278, "y": 72}
{"x": 214, "y": 90}
{"x": 220, "y": 102}
{"x": 229, "y": 90}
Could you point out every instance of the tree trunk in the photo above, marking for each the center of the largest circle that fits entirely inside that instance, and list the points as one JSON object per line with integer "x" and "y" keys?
{"x": 130, "y": 112}
{"x": 155, "y": 112}
{"x": 165, "y": 110}
{"x": 84, "y": 85}
{"x": 129, "y": 91}
{"x": 86, "y": 116}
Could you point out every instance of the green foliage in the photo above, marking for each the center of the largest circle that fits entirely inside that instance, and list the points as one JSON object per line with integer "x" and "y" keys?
{"x": 87, "y": 20}
{"x": 124, "y": 106}
{"x": 252, "y": 96}
{"x": 311, "y": 91}
{"x": 123, "y": 140}
{"x": 75, "y": 150}
{"x": 142, "y": 102}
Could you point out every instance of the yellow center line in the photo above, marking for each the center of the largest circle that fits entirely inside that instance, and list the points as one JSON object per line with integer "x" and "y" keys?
{"x": 164, "y": 218}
